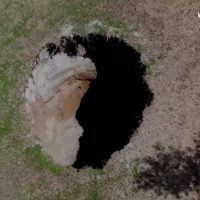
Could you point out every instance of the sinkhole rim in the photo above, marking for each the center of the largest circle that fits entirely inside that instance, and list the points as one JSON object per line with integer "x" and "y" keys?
{"x": 91, "y": 47}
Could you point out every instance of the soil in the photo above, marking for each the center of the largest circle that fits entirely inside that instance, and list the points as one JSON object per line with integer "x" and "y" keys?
{"x": 166, "y": 32}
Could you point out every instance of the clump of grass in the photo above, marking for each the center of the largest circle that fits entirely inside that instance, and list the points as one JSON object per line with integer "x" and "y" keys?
{"x": 136, "y": 173}
{"x": 9, "y": 41}
{"x": 149, "y": 66}
{"x": 27, "y": 192}
{"x": 7, "y": 111}
{"x": 6, "y": 125}
{"x": 77, "y": 191}
{"x": 152, "y": 61}
{"x": 94, "y": 193}
{"x": 60, "y": 196}
{"x": 162, "y": 56}
{"x": 110, "y": 26}
{"x": 100, "y": 28}
{"x": 171, "y": 109}
{"x": 41, "y": 161}
{"x": 6, "y": 84}
{"x": 120, "y": 28}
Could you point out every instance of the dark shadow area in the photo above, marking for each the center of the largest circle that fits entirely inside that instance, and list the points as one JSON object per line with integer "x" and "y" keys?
{"x": 112, "y": 108}
{"x": 172, "y": 172}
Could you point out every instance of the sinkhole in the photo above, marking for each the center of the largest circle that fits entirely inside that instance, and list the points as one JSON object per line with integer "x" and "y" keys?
{"x": 86, "y": 97}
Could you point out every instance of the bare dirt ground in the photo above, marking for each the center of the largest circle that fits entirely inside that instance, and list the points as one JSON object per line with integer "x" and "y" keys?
{"x": 167, "y": 35}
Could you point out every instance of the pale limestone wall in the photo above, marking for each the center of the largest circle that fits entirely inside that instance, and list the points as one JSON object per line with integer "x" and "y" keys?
{"x": 53, "y": 95}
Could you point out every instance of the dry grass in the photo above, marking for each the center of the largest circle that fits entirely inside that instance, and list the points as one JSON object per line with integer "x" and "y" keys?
{"x": 169, "y": 31}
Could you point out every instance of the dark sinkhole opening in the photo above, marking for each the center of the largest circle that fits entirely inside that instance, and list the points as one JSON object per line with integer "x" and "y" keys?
{"x": 112, "y": 108}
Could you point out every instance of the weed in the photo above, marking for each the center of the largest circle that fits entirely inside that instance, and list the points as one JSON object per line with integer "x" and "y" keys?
{"x": 94, "y": 193}
{"x": 149, "y": 66}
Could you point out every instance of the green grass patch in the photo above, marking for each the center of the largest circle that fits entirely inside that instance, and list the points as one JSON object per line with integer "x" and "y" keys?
{"x": 95, "y": 187}
{"x": 41, "y": 161}
{"x": 94, "y": 193}
{"x": 7, "y": 104}
{"x": 6, "y": 84}
{"x": 6, "y": 125}
{"x": 9, "y": 41}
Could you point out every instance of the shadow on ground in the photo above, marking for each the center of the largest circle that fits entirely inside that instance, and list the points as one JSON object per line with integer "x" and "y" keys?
{"x": 172, "y": 172}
